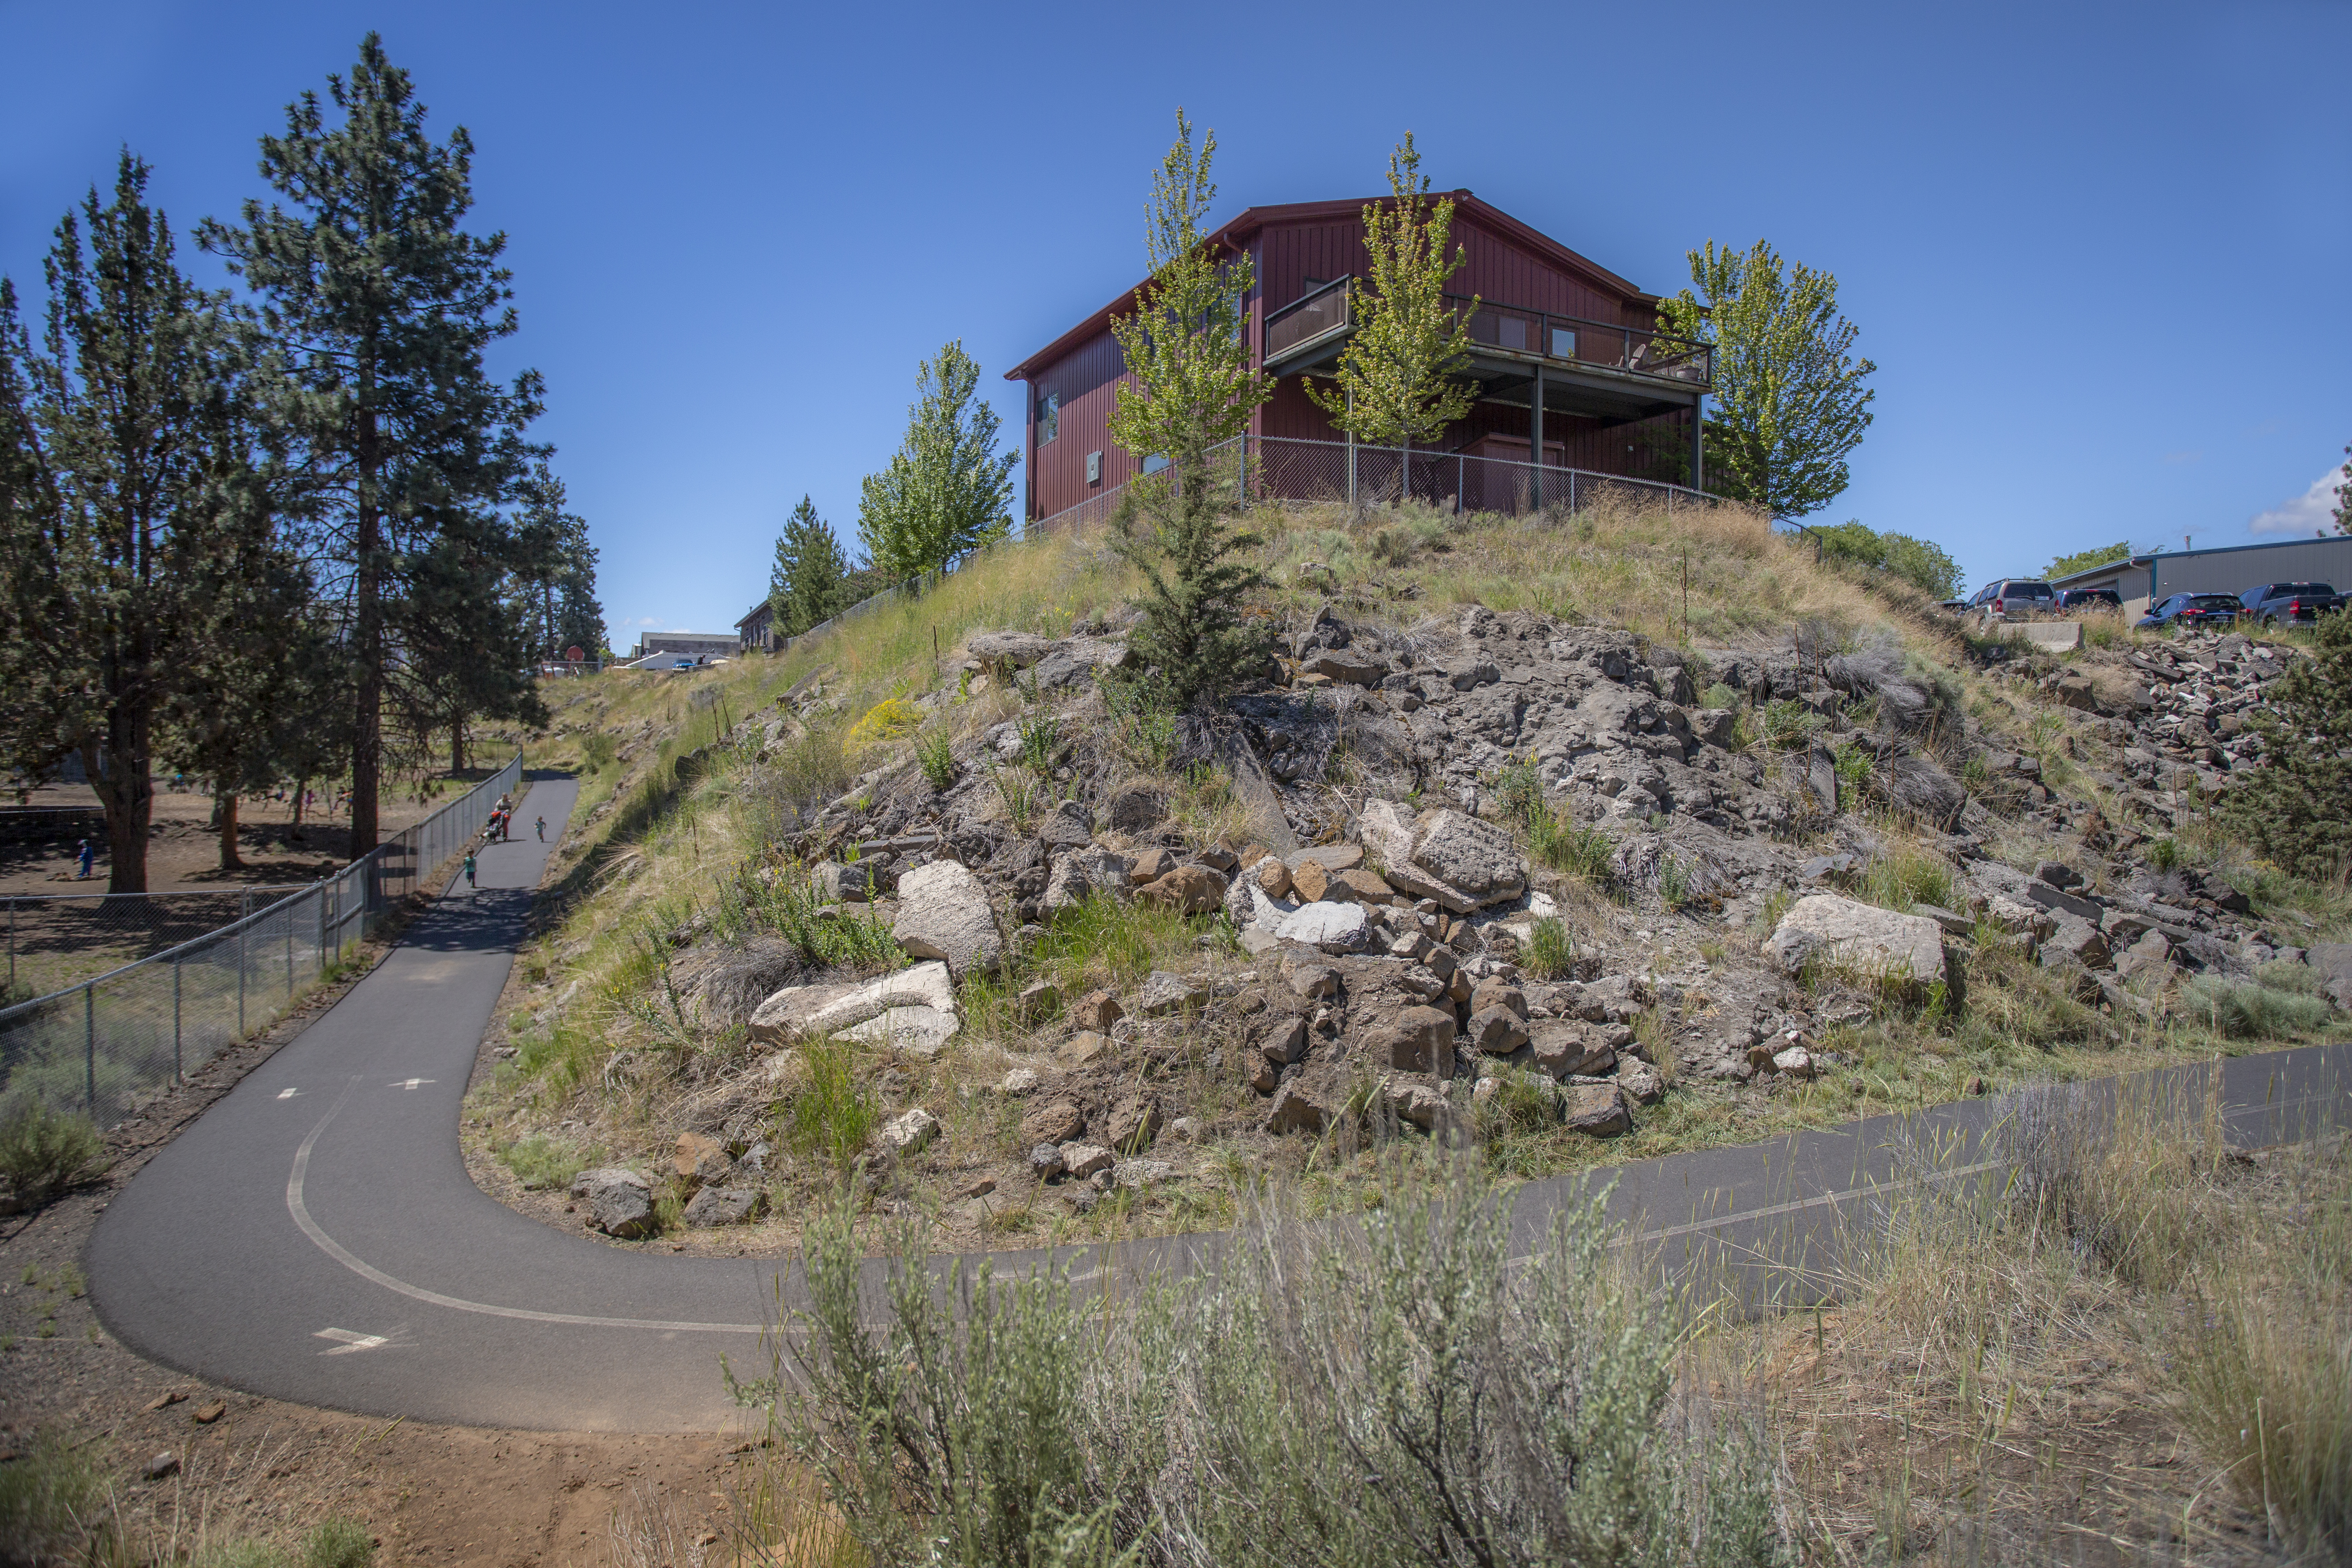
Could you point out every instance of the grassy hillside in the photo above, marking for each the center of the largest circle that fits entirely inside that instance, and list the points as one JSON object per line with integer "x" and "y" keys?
{"x": 711, "y": 800}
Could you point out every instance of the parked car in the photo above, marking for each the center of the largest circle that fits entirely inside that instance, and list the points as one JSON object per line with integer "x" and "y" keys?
{"x": 2192, "y": 611}
{"x": 2268, "y": 603}
{"x": 1957, "y": 607}
{"x": 2073, "y": 601}
{"x": 2013, "y": 599}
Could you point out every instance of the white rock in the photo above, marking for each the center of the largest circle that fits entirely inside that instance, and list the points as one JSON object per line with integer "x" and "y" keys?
{"x": 1827, "y": 929}
{"x": 1796, "y": 1062}
{"x": 803, "y": 1011}
{"x": 1144, "y": 1173}
{"x": 1083, "y": 1160}
{"x": 1020, "y": 1082}
{"x": 1334, "y": 928}
{"x": 908, "y": 1132}
{"x": 943, "y": 914}
{"x": 919, "y": 1031}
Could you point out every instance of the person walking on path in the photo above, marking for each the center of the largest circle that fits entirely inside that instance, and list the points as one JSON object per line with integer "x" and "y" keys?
{"x": 543, "y": 831}
{"x": 469, "y": 868}
{"x": 87, "y": 853}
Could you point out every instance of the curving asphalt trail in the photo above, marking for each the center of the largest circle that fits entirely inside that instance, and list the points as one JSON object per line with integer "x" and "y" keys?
{"x": 314, "y": 1236}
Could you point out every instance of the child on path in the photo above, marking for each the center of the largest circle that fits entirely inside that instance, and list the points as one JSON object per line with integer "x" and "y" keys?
{"x": 543, "y": 831}
{"x": 88, "y": 852}
{"x": 469, "y": 868}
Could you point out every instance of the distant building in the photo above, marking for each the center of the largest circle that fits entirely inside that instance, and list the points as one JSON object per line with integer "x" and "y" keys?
{"x": 756, "y": 631}
{"x": 2145, "y": 579}
{"x": 691, "y": 645}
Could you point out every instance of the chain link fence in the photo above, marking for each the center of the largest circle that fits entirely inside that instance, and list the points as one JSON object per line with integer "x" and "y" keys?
{"x": 105, "y": 1047}
{"x": 57, "y": 939}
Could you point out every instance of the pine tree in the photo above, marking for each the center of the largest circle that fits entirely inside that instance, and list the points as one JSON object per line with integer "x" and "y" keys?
{"x": 578, "y": 616}
{"x": 118, "y": 434}
{"x": 805, "y": 587}
{"x": 1790, "y": 399}
{"x": 1399, "y": 377}
{"x": 1191, "y": 387}
{"x": 947, "y": 491}
{"x": 385, "y": 307}
{"x": 2296, "y": 806}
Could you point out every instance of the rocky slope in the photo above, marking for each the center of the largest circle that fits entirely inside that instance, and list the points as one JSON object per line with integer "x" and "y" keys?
{"x": 1475, "y": 868}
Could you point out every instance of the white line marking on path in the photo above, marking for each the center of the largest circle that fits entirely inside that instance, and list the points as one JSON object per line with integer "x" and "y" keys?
{"x": 288, "y": 1093}
{"x": 408, "y": 1082}
{"x": 351, "y": 1342}
{"x": 334, "y": 1249}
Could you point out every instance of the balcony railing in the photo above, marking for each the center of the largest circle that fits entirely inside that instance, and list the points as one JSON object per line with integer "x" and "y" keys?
{"x": 1309, "y": 316}
{"x": 1598, "y": 345}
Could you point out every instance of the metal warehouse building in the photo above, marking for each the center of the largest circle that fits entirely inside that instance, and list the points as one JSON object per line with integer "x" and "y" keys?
{"x": 2143, "y": 580}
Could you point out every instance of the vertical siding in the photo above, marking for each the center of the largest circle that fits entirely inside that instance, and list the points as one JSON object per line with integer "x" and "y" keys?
{"x": 1086, "y": 378}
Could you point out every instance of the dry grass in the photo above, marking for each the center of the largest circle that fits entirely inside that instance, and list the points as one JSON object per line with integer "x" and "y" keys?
{"x": 2056, "y": 1365}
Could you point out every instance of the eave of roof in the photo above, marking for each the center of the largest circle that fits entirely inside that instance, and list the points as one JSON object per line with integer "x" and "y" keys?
{"x": 1236, "y": 232}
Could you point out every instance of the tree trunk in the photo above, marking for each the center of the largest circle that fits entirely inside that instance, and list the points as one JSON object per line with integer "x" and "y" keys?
{"x": 367, "y": 736}
{"x": 225, "y": 815}
{"x": 127, "y": 797}
{"x": 295, "y": 832}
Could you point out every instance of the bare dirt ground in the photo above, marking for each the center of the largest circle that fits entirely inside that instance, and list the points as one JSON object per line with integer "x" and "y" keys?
{"x": 250, "y": 1467}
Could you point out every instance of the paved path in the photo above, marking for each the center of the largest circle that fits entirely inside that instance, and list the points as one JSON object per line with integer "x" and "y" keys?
{"x": 315, "y": 1237}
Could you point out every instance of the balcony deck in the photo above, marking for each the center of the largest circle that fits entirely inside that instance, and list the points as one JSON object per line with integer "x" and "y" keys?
{"x": 1617, "y": 372}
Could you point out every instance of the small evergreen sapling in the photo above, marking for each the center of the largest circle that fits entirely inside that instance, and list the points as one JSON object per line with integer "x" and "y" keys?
{"x": 1193, "y": 387}
{"x": 805, "y": 587}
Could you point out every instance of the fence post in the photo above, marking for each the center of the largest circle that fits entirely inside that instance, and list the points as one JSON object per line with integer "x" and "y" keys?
{"x": 12, "y": 944}
{"x": 89, "y": 1047}
{"x": 289, "y": 956}
{"x": 241, "y": 930}
{"x": 1461, "y": 476}
{"x": 179, "y": 1075}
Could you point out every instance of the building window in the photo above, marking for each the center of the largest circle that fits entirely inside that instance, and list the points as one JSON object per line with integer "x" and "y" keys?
{"x": 1049, "y": 418}
{"x": 1153, "y": 462}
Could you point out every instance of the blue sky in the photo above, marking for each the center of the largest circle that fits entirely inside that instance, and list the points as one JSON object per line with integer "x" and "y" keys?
{"x": 2099, "y": 253}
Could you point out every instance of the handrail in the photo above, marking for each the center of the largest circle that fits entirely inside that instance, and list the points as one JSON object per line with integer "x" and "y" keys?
{"x": 1308, "y": 298}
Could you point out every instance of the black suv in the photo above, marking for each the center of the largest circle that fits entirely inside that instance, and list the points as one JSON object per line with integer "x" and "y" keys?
{"x": 2072, "y": 601}
{"x": 2296, "y": 602}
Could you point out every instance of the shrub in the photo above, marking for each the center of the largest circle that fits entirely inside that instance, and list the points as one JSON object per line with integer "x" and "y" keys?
{"x": 2252, "y": 1012}
{"x": 1022, "y": 797}
{"x": 1041, "y": 737}
{"x": 789, "y": 906}
{"x": 1718, "y": 695}
{"x": 833, "y": 1114}
{"x": 936, "y": 752}
{"x": 541, "y": 1163}
{"x": 598, "y": 749}
{"x": 2296, "y": 806}
{"x": 1550, "y": 951}
{"x": 1577, "y": 850}
{"x": 1516, "y": 1410}
{"x": 45, "y": 1152}
{"x": 1144, "y": 718}
{"x": 51, "y": 1498}
{"x": 339, "y": 1543}
{"x": 892, "y": 719}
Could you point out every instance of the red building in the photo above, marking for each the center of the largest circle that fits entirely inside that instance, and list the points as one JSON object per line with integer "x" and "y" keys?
{"x": 1570, "y": 372}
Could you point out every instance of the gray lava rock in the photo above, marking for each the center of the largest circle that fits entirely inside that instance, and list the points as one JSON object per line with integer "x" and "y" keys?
{"x": 943, "y": 914}
{"x": 716, "y": 1206}
{"x": 620, "y": 1201}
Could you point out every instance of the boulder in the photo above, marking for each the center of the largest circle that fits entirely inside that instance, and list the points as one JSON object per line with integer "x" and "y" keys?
{"x": 1053, "y": 1121}
{"x": 1310, "y": 881}
{"x": 1333, "y": 928}
{"x": 1314, "y": 981}
{"x": 620, "y": 1201}
{"x": 1018, "y": 650}
{"x": 1443, "y": 854}
{"x": 1137, "y": 807}
{"x": 813, "y": 1012}
{"x": 1133, "y": 1123}
{"x": 715, "y": 1206}
{"x": 1293, "y": 1112}
{"x": 1284, "y": 1042}
{"x": 1330, "y": 856}
{"x": 1640, "y": 1082}
{"x": 1188, "y": 890}
{"x": 1350, "y": 665}
{"x": 1415, "y": 1039}
{"x": 1596, "y": 1110}
{"x": 1038, "y": 1001}
{"x": 1273, "y": 879}
{"x": 1083, "y": 1160}
{"x": 1149, "y": 865}
{"x": 1098, "y": 1011}
{"x": 1496, "y": 992}
{"x": 1018, "y": 1084}
{"x": 1066, "y": 826}
{"x": 1496, "y": 1031}
{"x": 1079, "y": 873}
{"x": 943, "y": 914}
{"x": 2075, "y": 940}
{"x": 1823, "y": 928}
{"x": 1566, "y": 1050}
{"x": 1359, "y": 886}
{"x": 908, "y": 1132}
{"x": 1144, "y": 1173}
{"x": 1162, "y": 993}
{"x": 2150, "y": 955}
{"x": 1716, "y": 726}
{"x": 917, "y": 1031}
{"x": 1046, "y": 1161}
{"x": 1421, "y": 1104}
{"x": 700, "y": 1158}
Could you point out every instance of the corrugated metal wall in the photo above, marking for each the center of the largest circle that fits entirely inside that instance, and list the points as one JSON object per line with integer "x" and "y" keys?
{"x": 2235, "y": 571}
